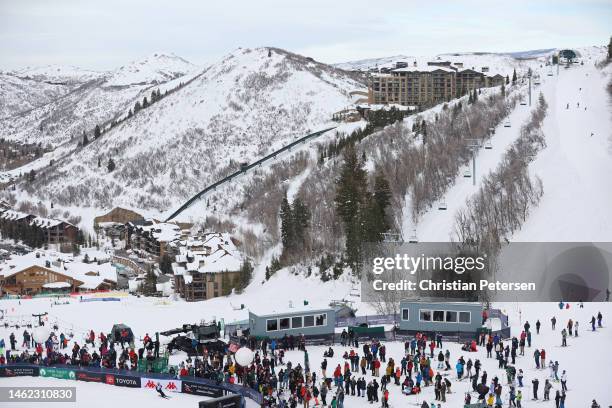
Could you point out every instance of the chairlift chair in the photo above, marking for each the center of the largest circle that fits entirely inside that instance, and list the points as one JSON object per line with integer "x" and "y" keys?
{"x": 442, "y": 206}
{"x": 488, "y": 145}
{"x": 467, "y": 173}
{"x": 507, "y": 123}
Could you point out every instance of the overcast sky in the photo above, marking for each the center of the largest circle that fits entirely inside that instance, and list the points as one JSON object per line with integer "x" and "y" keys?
{"x": 105, "y": 34}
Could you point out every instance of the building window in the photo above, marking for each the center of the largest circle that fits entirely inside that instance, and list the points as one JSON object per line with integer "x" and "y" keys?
{"x": 451, "y": 317}
{"x": 296, "y": 322}
{"x": 321, "y": 320}
{"x": 405, "y": 314}
{"x": 465, "y": 317}
{"x": 271, "y": 325}
{"x": 308, "y": 321}
{"x": 425, "y": 315}
{"x": 284, "y": 323}
{"x": 438, "y": 315}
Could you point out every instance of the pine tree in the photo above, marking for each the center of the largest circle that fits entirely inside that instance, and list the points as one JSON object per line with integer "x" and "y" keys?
{"x": 137, "y": 107}
{"x": 31, "y": 175}
{"x": 350, "y": 197}
{"x": 149, "y": 286}
{"x": 475, "y": 99}
{"x": 85, "y": 139}
{"x": 382, "y": 196}
{"x": 610, "y": 49}
{"x": 507, "y": 80}
{"x": 111, "y": 165}
{"x": 503, "y": 90}
{"x": 145, "y": 102}
{"x": 301, "y": 220}
{"x": 244, "y": 276}
{"x": 514, "y": 77}
{"x": 165, "y": 264}
{"x": 470, "y": 99}
{"x": 130, "y": 114}
{"x": 287, "y": 230}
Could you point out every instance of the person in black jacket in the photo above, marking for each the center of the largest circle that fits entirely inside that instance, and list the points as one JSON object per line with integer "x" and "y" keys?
{"x": 535, "y": 383}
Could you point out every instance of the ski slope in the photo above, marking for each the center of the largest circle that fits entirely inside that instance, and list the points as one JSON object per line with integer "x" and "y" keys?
{"x": 573, "y": 167}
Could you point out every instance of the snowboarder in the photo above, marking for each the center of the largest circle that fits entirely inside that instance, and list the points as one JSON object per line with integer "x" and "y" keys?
{"x": 593, "y": 323}
{"x": 554, "y": 322}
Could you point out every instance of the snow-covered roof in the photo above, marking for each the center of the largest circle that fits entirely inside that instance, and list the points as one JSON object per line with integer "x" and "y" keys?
{"x": 13, "y": 215}
{"x": 379, "y": 106}
{"x": 424, "y": 68}
{"x": 45, "y": 222}
{"x": 56, "y": 285}
{"x": 207, "y": 253}
{"x": 91, "y": 274}
{"x": 267, "y": 310}
{"x": 161, "y": 231}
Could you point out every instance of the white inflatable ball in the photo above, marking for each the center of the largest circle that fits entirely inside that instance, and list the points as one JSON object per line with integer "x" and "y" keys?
{"x": 41, "y": 334}
{"x": 244, "y": 356}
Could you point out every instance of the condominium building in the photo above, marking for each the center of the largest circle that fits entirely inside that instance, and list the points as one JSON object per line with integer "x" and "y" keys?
{"x": 426, "y": 85}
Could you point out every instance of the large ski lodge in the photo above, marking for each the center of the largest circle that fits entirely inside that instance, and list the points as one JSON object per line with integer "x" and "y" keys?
{"x": 436, "y": 82}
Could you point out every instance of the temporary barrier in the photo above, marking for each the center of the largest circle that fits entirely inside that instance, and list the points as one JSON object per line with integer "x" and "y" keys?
{"x": 19, "y": 371}
{"x": 191, "y": 387}
{"x": 172, "y": 385}
{"x": 133, "y": 379}
{"x": 229, "y": 401}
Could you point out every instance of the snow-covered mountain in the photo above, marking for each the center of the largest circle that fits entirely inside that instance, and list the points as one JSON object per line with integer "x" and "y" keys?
{"x": 154, "y": 69}
{"x": 365, "y": 64}
{"x": 59, "y": 74}
{"x": 497, "y": 62}
{"x": 249, "y": 103}
{"x": 96, "y": 101}
{"x": 18, "y": 95}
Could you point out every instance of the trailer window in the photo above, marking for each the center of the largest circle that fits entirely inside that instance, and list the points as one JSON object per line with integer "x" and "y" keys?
{"x": 451, "y": 317}
{"x": 321, "y": 320}
{"x": 438, "y": 315}
{"x": 308, "y": 321}
{"x": 405, "y": 314}
{"x": 425, "y": 315}
{"x": 271, "y": 325}
{"x": 284, "y": 323}
{"x": 296, "y": 322}
{"x": 465, "y": 317}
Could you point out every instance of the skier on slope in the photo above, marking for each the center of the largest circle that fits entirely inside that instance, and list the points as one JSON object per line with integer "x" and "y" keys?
{"x": 160, "y": 390}
{"x": 599, "y": 319}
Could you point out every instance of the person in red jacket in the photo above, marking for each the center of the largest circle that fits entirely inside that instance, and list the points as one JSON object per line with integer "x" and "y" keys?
{"x": 543, "y": 358}
{"x": 184, "y": 372}
{"x": 432, "y": 346}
